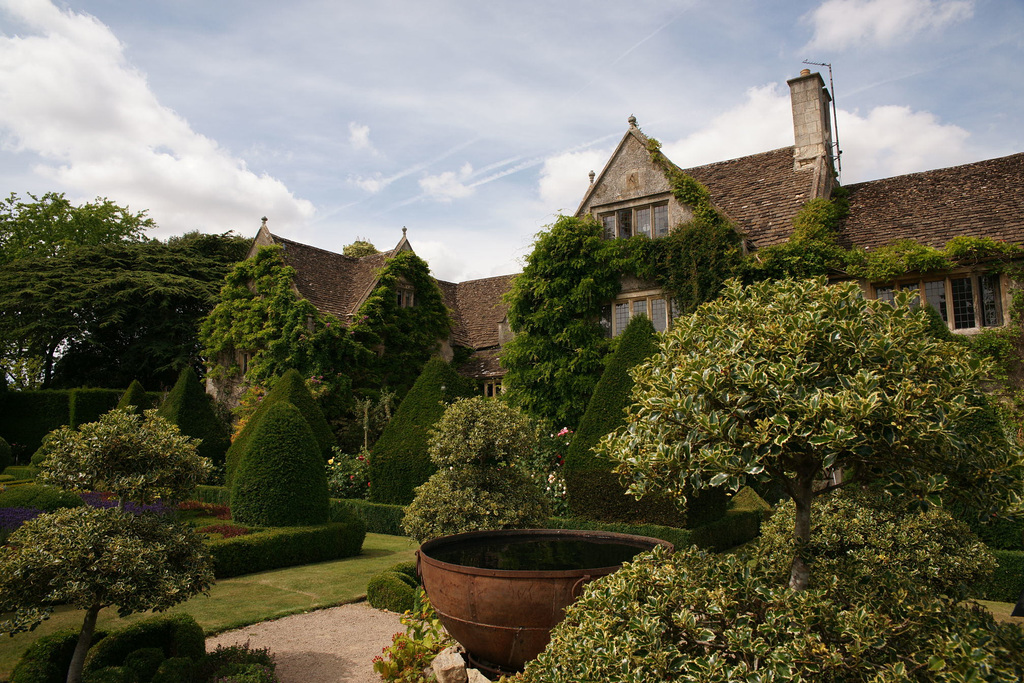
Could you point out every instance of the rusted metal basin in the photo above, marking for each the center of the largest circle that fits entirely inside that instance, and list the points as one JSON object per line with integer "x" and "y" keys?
{"x": 499, "y": 593}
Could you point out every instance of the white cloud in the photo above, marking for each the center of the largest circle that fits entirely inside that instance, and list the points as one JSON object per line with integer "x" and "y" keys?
{"x": 893, "y": 140}
{"x": 564, "y": 178}
{"x": 69, "y": 95}
{"x": 372, "y": 183}
{"x": 761, "y": 123}
{"x": 448, "y": 185}
{"x": 889, "y": 140}
{"x": 359, "y": 138}
{"x": 839, "y": 24}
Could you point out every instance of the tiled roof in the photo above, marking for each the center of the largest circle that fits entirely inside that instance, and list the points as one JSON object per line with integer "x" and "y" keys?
{"x": 481, "y": 309}
{"x": 761, "y": 193}
{"x": 982, "y": 199}
{"x": 482, "y": 365}
{"x": 334, "y": 283}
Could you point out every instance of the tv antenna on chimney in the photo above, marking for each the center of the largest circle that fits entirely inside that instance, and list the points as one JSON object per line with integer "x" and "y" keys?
{"x": 835, "y": 121}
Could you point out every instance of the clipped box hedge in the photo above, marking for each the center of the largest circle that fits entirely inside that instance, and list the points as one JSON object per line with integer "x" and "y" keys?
{"x": 27, "y": 416}
{"x": 217, "y": 495}
{"x": 380, "y": 518}
{"x": 286, "y": 547}
{"x": 86, "y": 405}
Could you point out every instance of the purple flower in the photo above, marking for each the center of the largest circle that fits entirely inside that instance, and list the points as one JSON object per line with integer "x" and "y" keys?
{"x": 12, "y": 518}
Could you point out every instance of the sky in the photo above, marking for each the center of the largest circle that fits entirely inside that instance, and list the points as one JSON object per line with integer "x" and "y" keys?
{"x": 473, "y": 124}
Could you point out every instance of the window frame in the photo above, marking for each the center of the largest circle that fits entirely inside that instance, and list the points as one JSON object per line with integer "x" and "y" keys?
{"x": 948, "y": 312}
{"x": 614, "y": 324}
{"x": 611, "y": 219}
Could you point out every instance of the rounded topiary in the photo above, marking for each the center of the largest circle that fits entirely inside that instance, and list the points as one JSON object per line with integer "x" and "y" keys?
{"x": 694, "y": 616}
{"x": 110, "y": 674}
{"x": 177, "y": 635}
{"x": 289, "y": 388}
{"x": 399, "y": 461}
{"x": 144, "y": 662}
{"x": 6, "y": 460}
{"x": 188, "y": 406}
{"x": 862, "y": 539}
{"x": 175, "y": 670}
{"x": 280, "y": 479}
{"x": 392, "y": 591}
{"x": 135, "y": 399}
{"x": 43, "y": 452}
{"x": 474, "y": 499}
{"x": 481, "y": 431}
{"x": 39, "y": 496}
{"x": 47, "y": 659}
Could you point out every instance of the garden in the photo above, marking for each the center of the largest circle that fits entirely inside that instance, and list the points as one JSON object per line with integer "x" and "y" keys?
{"x": 841, "y": 480}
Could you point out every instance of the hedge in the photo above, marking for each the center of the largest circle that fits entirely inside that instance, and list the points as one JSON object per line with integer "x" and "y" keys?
{"x": 86, "y": 405}
{"x": 45, "y": 498}
{"x": 27, "y": 416}
{"x": 379, "y": 518}
{"x": 22, "y": 471}
{"x": 177, "y": 635}
{"x": 1007, "y": 582}
{"x": 290, "y": 388}
{"x": 6, "y": 459}
{"x": 399, "y": 461}
{"x": 728, "y": 532}
{"x": 218, "y": 495}
{"x": 286, "y": 547}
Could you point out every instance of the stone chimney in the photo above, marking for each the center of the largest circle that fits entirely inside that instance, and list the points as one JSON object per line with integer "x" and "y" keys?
{"x": 812, "y": 129}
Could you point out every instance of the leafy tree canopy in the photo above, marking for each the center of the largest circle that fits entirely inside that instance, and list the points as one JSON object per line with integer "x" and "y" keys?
{"x": 51, "y": 224}
{"x": 791, "y": 380}
{"x": 105, "y": 315}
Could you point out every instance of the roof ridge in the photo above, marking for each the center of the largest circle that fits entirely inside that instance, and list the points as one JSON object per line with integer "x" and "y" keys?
{"x": 942, "y": 169}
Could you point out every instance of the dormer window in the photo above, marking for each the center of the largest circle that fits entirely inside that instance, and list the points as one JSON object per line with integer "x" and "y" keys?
{"x": 406, "y": 298}
{"x": 650, "y": 220}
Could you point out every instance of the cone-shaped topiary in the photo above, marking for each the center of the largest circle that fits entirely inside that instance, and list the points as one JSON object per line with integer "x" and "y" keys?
{"x": 280, "y": 479}
{"x": 289, "y": 388}
{"x": 399, "y": 461}
{"x": 135, "y": 398}
{"x": 593, "y": 489}
{"x": 191, "y": 409}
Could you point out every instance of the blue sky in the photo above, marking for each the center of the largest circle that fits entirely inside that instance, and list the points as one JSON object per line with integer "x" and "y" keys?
{"x": 471, "y": 123}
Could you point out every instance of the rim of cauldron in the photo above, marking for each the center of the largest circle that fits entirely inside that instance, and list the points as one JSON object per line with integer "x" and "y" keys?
{"x": 643, "y": 543}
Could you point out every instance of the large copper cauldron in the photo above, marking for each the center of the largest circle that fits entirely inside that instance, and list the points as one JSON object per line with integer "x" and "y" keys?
{"x": 499, "y": 593}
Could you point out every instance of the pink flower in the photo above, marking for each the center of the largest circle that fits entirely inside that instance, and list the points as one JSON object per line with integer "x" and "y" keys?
{"x": 565, "y": 430}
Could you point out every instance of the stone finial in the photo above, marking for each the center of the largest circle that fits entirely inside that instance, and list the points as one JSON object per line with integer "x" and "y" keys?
{"x": 632, "y": 121}
{"x": 591, "y": 174}
{"x": 403, "y": 230}
{"x": 264, "y": 219}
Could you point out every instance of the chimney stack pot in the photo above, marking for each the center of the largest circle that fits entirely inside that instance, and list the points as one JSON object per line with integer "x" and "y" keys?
{"x": 805, "y": 72}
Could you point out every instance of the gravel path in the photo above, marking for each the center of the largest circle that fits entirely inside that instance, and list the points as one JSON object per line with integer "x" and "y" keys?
{"x": 334, "y": 645}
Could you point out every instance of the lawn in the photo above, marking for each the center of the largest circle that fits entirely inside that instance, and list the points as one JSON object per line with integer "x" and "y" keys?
{"x": 252, "y": 598}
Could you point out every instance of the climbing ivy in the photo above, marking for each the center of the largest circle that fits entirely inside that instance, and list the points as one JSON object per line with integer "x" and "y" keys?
{"x": 261, "y": 314}
{"x": 404, "y": 337}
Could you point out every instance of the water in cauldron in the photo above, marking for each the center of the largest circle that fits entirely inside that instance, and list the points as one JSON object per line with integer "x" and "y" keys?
{"x": 535, "y": 554}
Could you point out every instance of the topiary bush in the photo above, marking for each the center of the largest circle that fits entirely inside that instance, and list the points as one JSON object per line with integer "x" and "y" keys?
{"x": 175, "y": 670}
{"x": 135, "y": 399}
{"x": 40, "y": 496}
{"x": 594, "y": 492}
{"x": 481, "y": 432}
{"x": 144, "y": 662}
{"x": 399, "y": 461}
{"x": 474, "y": 499}
{"x": 47, "y": 659}
{"x": 174, "y": 635}
{"x": 692, "y": 616}
{"x": 391, "y": 591}
{"x": 1006, "y": 583}
{"x": 289, "y": 388}
{"x": 188, "y": 406}
{"x": 280, "y": 479}
{"x": 378, "y": 517}
{"x": 865, "y": 541}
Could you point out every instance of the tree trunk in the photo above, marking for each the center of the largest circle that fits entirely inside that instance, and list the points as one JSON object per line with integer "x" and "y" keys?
{"x": 82, "y": 648}
{"x": 803, "y": 495}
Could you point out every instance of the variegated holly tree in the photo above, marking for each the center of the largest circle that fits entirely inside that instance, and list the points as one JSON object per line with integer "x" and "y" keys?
{"x": 816, "y": 387}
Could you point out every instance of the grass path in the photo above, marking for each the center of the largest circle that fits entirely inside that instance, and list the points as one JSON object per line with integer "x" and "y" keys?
{"x": 236, "y": 602}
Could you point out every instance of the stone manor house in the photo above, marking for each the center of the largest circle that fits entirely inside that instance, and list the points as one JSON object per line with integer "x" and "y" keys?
{"x": 761, "y": 194}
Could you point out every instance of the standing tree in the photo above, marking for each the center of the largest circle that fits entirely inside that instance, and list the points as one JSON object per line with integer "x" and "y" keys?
{"x": 798, "y": 380}
{"x": 93, "y": 558}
